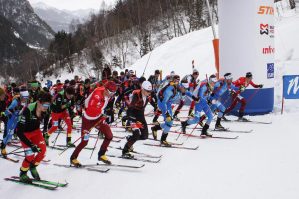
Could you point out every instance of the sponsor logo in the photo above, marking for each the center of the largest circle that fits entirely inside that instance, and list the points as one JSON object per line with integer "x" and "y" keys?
{"x": 270, "y": 70}
{"x": 266, "y": 29}
{"x": 268, "y": 50}
{"x": 293, "y": 87}
{"x": 266, "y": 10}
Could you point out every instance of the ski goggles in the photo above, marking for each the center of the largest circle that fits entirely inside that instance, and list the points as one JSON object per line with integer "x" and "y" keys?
{"x": 228, "y": 77}
{"x": 213, "y": 79}
{"x": 46, "y": 106}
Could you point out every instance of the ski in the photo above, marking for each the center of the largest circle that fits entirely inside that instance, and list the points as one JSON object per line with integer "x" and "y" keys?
{"x": 172, "y": 146}
{"x": 122, "y": 165}
{"x": 10, "y": 159}
{"x": 113, "y": 140}
{"x": 203, "y": 137}
{"x": 87, "y": 167}
{"x": 172, "y": 143}
{"x": 14, "y": 145}
{"x": 139, "y": 153}
{"x": 232, "y": 131}
{"x": 20, "y": 155}
{"x": 35, "y": 184}
{"x": 57, "y": 148}
{"x": 136, "y": 159}
{"x": 219, "y": 137}
{"x": 44, "y": 182}
{"x": 248, "y": 121}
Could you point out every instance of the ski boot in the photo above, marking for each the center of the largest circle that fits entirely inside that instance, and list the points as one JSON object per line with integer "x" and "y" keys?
{"x": 34, "y": 172}
{"x": 3, "y": 150}
{"x": 184, "y": 125}
{"x": 69, "y": 142}
{"x": 225, "y": 119}
{"x": 191, "y": 115}
{"x": 126, "y": 152}
{"x": 154, "y": 131}
{"x": 241, "y": 118}
{"x": 74, "y": 162}
{"x": 103, "y": 158}
{"x": 218, "y": 126}
{"x": 47, "y": 136}
{"x": 204, "y": 131}
{"x": 23, "y": 175}
{"x": 175, "y": 118}
{"x": 163, "y": 140}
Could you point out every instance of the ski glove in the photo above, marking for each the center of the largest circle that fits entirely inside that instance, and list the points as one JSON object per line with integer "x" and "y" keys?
{"x": 242, "y": 88}
{"x": 232, "y": 92}
{"x": 2, "y": 114}
{"x": 168, "y": 117}
{"x": 68, "y": 105}
{"x": 196, "y": 99}
{"x": 261, "y": 86}
{"x": 35, "y": 149}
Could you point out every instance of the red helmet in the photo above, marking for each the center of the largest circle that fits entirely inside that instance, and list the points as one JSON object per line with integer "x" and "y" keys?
{"x": 111, "y": 86}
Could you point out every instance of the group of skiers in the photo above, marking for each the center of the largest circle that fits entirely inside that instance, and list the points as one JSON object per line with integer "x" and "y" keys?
{"x": 25, "y": 107}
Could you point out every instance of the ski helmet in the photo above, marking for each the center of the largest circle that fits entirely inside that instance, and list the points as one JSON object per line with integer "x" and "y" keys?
{"x": 213, "y": 78}
{"x": 249, "y": 75}
{"x": 228, "y": 76}
{"x": 195, "y": 72}
{"x": 131, "y": 72}
{"x": 146, "y": 85}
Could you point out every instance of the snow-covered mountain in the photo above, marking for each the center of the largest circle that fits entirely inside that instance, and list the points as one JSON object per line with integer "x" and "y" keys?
{"x": 11, "y": 46}
{"x": 60, "y": 19}
{"x": 31, "y": 28}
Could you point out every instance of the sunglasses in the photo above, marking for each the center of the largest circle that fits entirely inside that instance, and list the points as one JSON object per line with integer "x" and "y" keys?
{"x": 195, "y": 73}
{"x": 46, "y": 105}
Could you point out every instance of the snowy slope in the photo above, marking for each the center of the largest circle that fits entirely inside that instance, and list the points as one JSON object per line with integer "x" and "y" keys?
{"x": 260, "y": 165}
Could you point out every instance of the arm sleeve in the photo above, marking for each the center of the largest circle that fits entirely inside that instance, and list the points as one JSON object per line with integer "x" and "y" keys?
{"x": 167, "y": 94}
{"x": 11, "y": 107}
{"x": 189, "y": 94}
{"x": 253, "y": 84}
{"x": 201, "y": 93}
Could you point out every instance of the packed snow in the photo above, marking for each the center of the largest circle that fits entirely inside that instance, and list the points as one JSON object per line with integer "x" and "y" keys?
{"x": 262, "y": 164}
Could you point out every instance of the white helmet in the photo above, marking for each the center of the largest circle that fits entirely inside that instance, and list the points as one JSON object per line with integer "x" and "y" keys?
{"x": 195, "y": 71}
{"x": 146, "y": 85}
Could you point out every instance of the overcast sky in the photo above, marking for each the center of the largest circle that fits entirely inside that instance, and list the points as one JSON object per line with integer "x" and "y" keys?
{"x": 74, "y": 4}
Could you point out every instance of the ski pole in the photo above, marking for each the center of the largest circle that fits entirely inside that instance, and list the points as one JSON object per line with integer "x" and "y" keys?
{"x": 178, "y": 135}
{"x": 191, "y": 133}
{"x": 94, "y": 146}
{"x": 80, "y": 137}
{"x": 147, "y": 63}
{"x": 252, "y": 95}
{"x": 13, "y": 151}
{"x": 54, "y": 141}
{"x": 16, "y": 152}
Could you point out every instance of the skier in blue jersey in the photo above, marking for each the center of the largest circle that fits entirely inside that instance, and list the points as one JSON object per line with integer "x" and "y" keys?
{"x": 166, "y": 97}
{"x": 201, "y": 97}
{"x": 220, "y": 87}
{"x": 12, "y": 112}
